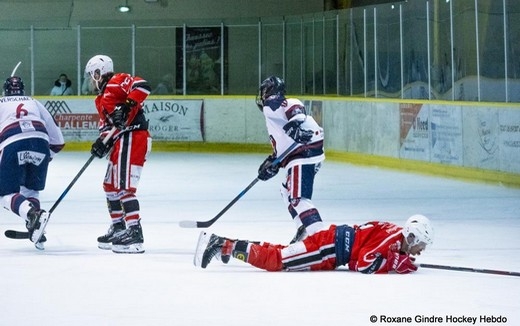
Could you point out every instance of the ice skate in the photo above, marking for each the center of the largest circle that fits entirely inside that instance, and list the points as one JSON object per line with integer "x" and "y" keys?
{"x": 130, "y": 241}
{"x": 301, "y": 234}
{"x": 209, "y": 247}
{"x": 37, "y": 221}
{"x": 105, "y": 241}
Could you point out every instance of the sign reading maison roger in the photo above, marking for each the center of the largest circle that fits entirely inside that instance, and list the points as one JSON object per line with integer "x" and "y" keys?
{"x": 169, "y": 119}
{"x": 177, "y": 120}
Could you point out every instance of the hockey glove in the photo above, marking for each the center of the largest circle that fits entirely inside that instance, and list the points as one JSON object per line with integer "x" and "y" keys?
{"x": 99, "y": 149}
{"x": 267, "y": 170}
{"x": 293, "y": 130}
{"x": 120, "y": 114}
{"x": 400, "y": 263}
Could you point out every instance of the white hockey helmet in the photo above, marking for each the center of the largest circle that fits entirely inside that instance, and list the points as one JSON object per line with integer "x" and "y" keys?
{"x": 100, "y": 64}
{"x": 421, "y": 227}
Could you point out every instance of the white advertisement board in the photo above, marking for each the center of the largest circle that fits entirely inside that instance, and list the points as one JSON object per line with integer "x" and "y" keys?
{"x": 414, "y": 132}
{"x": 173, "y": 120}
{"x": 446, "y": 134}
{"x": 509, "y": 121}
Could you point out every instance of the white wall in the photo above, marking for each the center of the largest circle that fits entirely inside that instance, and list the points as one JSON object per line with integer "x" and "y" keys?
{"x": 484, "y": 136}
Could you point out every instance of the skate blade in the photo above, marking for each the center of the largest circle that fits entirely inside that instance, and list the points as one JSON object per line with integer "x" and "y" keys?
{"x": 202, "y": 243}
{"x": 104, "y": 246}
{"x": 135, "y": 248}
{"x": 38, "y": 233}
{"x": 39, "y": 246}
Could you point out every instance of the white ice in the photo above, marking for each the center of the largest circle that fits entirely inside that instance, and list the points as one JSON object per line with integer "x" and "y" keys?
{"x": 72, "y": 282}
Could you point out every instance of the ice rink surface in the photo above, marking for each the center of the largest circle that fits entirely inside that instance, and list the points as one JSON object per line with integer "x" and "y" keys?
{"x": 72, "y": 282}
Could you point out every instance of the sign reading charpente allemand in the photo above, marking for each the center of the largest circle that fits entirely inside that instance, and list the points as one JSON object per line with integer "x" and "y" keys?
{"x": 169, "y": 119}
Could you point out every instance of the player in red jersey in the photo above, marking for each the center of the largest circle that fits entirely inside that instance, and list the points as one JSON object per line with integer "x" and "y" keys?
{"x": 120, "y": 105}
{"x": 373, "y": 247}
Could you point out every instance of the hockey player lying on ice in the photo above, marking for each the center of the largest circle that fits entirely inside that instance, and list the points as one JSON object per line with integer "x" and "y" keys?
{"x": 374, "y": 247}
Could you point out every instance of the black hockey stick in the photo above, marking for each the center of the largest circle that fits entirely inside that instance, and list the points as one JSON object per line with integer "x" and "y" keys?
{"x": 13, "y": 234}
{"x": 470, "y": 269}
{"x": 208, "y": 223}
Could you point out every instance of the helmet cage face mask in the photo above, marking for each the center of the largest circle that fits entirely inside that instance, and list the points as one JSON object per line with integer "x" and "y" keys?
{"x": 98, "y": 66}
{"x": 421, "y": 245}
{"x": 421, "y": 229}
{"x": 270, "y": 87}
{"x": 13, "y": 86}
{"x": 414, "y": 241}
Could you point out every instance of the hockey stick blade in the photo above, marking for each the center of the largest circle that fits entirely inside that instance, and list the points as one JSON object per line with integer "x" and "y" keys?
{"x": 201, "y": 224}
{"x": 13, "y": 234}
{"x": 188, "y": 224}
{"x": 208, "y": 223}
{"x": 470, "y": 269}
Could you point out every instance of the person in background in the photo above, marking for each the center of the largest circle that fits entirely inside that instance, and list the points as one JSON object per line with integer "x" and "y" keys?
{"x": 120, "y": 105}
{"x": 288, "y": 122}
{"x": 165, "y": 87}
{"x": 371, "y": 248}
{"x": 62, "y": 86}
{"x": 29, "y": 139}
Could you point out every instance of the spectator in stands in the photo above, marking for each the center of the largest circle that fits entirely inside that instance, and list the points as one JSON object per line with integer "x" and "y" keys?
{"x": 62, "y": 86}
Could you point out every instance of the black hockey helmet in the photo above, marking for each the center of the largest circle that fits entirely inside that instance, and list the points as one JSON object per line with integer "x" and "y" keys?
{"x": 13, "y": 86}
{"x": 271, "y": 86}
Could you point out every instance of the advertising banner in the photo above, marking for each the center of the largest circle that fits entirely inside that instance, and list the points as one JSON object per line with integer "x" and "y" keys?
{"x": 77, "y": 119}
{"x": 170, "y": 120}
{"x": 175, "y": 120}
{"x": 509, "y": 121}
{"x": 481, "y": 138}
{"x": 414, "y": 132}
{"x": 446, "y": 134}
{"x": 203, "y": 50}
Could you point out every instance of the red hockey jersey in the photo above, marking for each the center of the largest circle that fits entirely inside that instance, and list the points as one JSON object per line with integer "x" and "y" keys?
{"x": 118, "y": 89}
{"x": 373, "y": 242}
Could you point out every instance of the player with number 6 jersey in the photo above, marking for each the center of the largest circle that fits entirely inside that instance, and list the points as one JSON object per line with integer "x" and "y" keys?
{"x": 29, "y": 139}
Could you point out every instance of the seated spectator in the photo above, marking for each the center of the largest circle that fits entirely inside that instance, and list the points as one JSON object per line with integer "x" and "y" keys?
{"x": 165, "y": 86}
{"x": 62, "y": 86}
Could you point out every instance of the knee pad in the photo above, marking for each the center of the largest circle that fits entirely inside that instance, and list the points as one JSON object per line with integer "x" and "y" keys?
{"x": 113, "y": 196}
